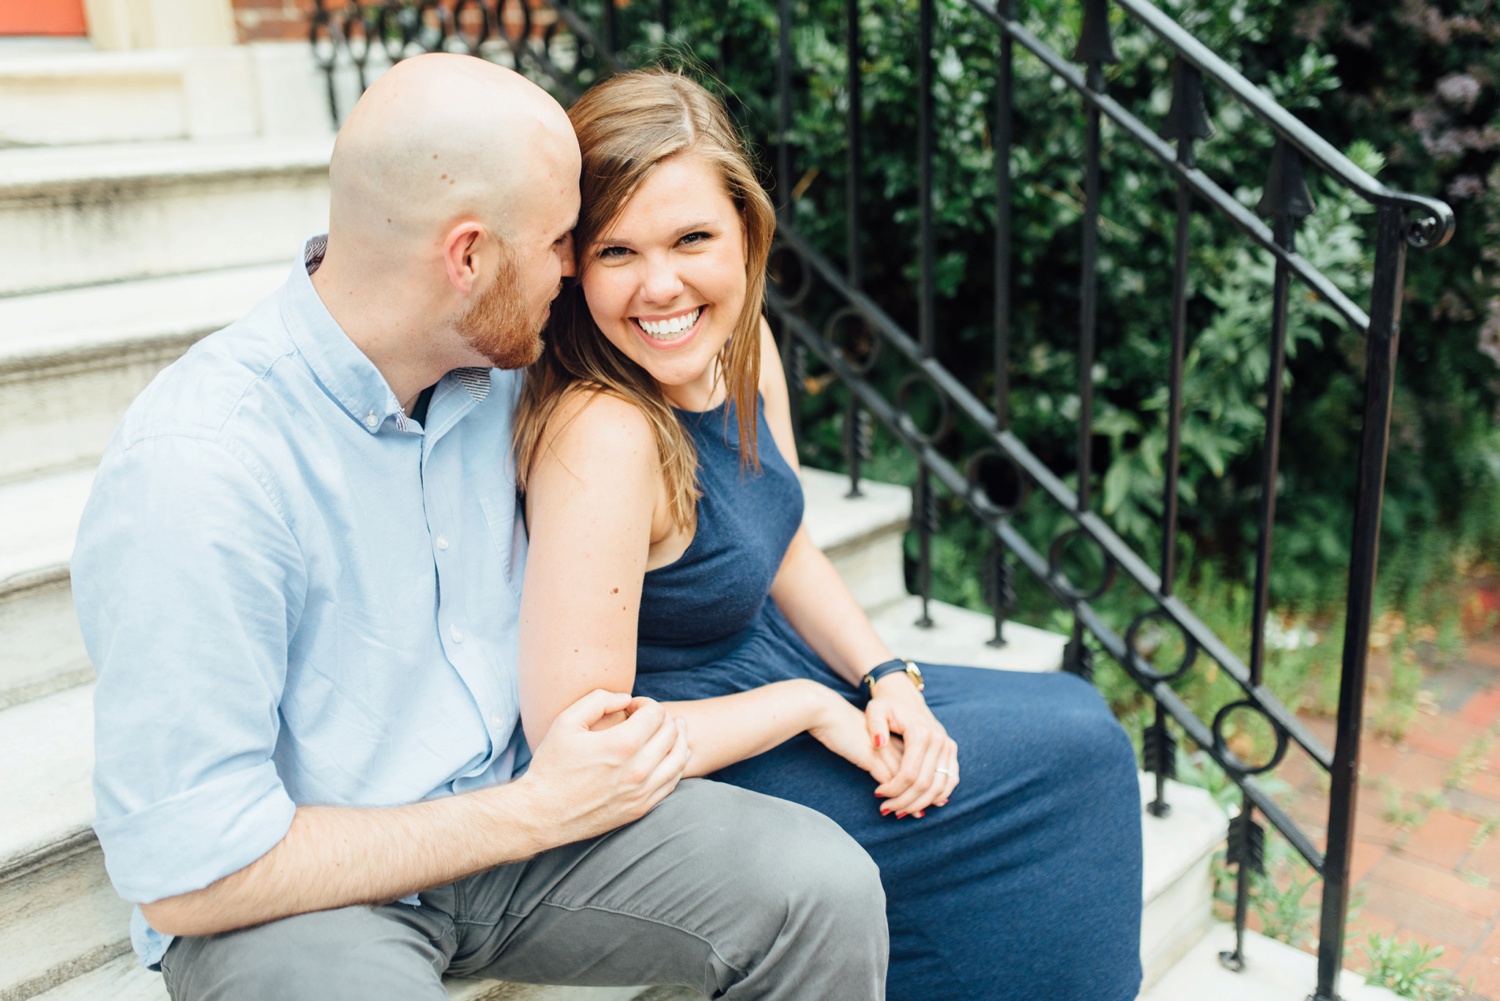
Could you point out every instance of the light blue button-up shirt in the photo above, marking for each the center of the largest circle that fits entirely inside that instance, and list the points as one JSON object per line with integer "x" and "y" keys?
{"x": 293, "y": 594}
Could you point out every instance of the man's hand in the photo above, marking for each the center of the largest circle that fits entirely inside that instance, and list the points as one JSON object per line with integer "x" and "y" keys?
{"x": 585, "y": 782}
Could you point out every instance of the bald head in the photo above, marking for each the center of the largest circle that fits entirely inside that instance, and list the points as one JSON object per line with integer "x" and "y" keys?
{"x": 439, "y": 138}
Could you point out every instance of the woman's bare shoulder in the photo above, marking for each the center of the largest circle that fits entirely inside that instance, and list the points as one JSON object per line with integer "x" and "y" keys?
{"x": 590, "y": 422}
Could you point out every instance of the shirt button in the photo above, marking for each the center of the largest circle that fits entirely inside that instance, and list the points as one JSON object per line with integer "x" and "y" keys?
{"x": 495, "y": 721}
{"x": 442, "y": 541}
{"x": 456, "y": 633}
{"x": 371, "y": 421}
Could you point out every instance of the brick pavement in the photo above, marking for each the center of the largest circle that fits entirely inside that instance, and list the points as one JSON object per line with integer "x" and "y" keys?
{"x": 1426, "y": 863}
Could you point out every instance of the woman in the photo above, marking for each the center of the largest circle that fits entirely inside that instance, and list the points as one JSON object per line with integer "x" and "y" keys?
{"x": 654, "y": 446}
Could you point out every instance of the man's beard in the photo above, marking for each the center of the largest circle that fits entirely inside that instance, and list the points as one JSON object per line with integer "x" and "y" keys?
{"x": 497, "y": 325}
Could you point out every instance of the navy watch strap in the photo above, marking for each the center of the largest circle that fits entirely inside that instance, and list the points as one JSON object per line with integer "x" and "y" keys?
{"x": 880, "y": 670}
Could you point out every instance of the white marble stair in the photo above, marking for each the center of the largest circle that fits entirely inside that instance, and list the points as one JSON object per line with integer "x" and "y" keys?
{"x": 73, "y": 216}
{"x": 862, "y": 537}
{"x": 1274, "y": 971}
{"x": 59, "y": 916}
{"x": 58, "y": 93}
{"x": 124, "y": 979}
{"x": 1177, "y": 878}
{"x": 41, "y": 650}
{"x": 72, "y": 360}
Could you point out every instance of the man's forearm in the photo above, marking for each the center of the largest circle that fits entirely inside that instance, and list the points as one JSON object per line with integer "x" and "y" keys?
{"x": 335, "y": 856}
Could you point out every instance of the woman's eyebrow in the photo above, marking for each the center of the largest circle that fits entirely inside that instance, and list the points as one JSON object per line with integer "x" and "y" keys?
{"x": 681, "y": 231}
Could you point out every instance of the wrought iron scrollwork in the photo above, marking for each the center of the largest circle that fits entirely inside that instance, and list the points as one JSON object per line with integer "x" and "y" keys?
{"x": 1232, "y": 761}
{"x": 793, "y": 294}
{"x": 909, "y": 388}
{"x": 1056, "y": 555}
{"x": 1141, "y": 665}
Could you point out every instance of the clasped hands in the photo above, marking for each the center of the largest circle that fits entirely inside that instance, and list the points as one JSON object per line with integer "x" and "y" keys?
{"x": 898, "y": 741}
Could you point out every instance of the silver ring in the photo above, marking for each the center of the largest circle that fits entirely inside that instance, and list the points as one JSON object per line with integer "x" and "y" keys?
{"x": 942, "y": 771}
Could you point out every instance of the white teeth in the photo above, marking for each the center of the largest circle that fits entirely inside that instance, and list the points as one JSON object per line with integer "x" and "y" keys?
{"x": 665, "y": 330}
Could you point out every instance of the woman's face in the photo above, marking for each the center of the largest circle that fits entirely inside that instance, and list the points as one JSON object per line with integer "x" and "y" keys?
{"x": 666, "y": 282}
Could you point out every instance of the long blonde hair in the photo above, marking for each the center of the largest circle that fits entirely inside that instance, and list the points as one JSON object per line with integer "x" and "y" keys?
{"x": 626, "y": 127}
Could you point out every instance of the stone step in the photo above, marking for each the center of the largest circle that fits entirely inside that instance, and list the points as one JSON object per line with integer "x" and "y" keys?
{"x": 963, "y": 636}
{"x": 1274, "y": 971}
{"x": 41, "y": 650}
{"x": 124, "y": 979}
{"x": 1177, "y": 877}
{"x": 59, "y": 916}
{"x": 62, "y": 95}
{"x": 72, "y": 360}
{"x": 860, "y": 535}
{"x": 82, "y": 215}
{"x": 58, "y": 98}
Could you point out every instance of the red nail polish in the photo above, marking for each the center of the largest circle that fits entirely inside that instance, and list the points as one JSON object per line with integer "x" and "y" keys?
{"x": 880, "y": 740}
{"x": 920, "y": 814}
{"x": 902, "y": 814}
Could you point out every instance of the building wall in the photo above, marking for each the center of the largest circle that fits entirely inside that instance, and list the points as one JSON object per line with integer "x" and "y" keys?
{"x": 272, "y": 20}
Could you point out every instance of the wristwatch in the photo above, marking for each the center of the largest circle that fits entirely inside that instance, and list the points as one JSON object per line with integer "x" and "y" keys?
{"x": 891, "y": 667}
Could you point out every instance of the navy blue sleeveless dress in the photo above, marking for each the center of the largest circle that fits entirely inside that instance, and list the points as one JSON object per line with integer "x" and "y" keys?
{"x": 1027, "y": 885}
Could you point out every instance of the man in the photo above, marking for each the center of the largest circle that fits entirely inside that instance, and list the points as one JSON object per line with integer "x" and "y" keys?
{"x": 298, "y": 578}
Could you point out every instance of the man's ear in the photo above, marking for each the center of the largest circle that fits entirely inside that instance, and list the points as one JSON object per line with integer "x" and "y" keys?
{"x": 462, "y": 247}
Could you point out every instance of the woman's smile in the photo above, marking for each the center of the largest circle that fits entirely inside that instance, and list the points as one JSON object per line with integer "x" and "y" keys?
{"x": 670, "y": 331}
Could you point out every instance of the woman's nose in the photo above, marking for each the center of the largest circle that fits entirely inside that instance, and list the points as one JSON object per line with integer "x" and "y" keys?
{"x": 661, "y": 282}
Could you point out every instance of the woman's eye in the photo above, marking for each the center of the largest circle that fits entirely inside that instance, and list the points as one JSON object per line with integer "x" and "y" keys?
{"x": 612, "y": 253}
{"x": 696, "y": 237}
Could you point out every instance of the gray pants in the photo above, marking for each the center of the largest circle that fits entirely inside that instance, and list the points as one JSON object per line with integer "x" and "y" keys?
{"x": 734, "y": 894}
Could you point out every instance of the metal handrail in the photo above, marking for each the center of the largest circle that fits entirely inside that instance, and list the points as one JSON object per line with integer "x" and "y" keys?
{"x": 1438, "y": 223}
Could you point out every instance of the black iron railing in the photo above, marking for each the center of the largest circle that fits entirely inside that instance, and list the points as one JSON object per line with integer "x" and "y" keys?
{"x": 554, "y": 41}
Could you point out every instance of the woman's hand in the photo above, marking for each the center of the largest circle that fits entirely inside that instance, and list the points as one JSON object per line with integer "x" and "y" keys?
{"x": 840, "y": 727}
{"x": 929, "y": 757}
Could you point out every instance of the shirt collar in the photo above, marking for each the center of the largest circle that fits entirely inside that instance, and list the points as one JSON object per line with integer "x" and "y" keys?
{"x": 346, "y": 373}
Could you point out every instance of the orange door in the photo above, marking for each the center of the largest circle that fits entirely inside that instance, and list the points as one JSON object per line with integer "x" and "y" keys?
{"x": 42, "y": 17}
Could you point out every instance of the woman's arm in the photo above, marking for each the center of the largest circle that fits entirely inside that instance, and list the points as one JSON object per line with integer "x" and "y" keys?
{"x": 817, "y": 603}
{"x": 592, "y": 498}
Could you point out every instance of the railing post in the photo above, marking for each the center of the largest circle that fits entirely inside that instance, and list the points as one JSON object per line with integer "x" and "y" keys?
{"x": 793, "y": 354}
{"x": 1187, "y": 121}
{"x": 1285, "y": 200}
{"x": 856, "y": 419}
{"x": 1380, "y": 378}
{"x": 1004, "y": 134}
{"x": 1003, "y": 596}
{"x": 1095, "y": 48}
{"x": 611, "y": 26}
{"x": 926, "y": 293}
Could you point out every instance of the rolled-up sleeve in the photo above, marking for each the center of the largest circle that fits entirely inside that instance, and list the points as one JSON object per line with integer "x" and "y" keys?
{"x": 187, "y": 580}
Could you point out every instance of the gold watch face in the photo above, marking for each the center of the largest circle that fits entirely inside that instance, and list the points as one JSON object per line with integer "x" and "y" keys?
{"x": 915, "y": 673}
